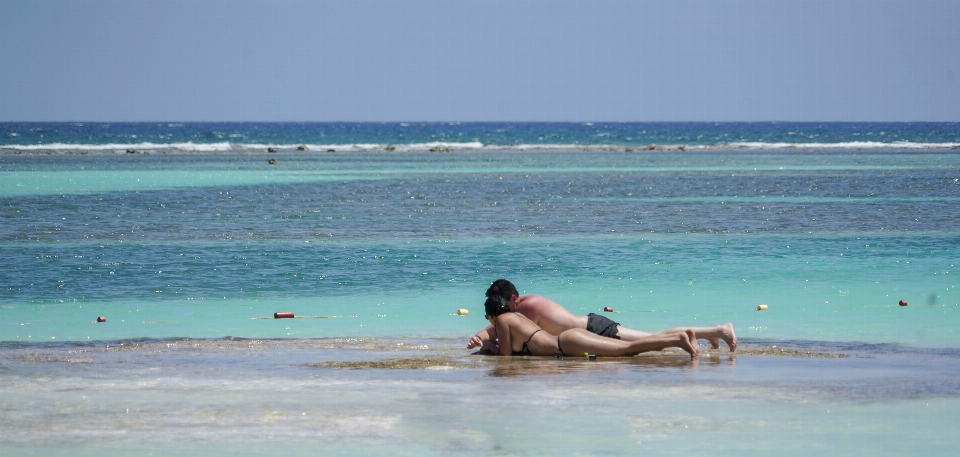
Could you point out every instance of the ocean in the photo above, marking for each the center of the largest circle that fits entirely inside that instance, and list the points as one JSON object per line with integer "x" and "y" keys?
{"x": 187, "y": 237}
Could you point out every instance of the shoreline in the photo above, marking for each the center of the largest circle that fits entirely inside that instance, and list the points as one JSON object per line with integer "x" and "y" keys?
{"x": 369, "y": 397}
{"x": 448, "y": 345}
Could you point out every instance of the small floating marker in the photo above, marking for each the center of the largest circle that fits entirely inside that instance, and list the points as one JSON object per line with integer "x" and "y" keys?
{"x": 903, "y": 303}
{"x": 101, "y": 319}
{"x": 590, "y": 356}
{"x": 761, "y": 307}
{"x": 282, "y": 315}
{"x": 463, "y": 312}
{"x": 607, "y": 309}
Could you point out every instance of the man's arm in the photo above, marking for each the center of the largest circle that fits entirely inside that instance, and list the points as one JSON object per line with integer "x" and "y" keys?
{"x": 483, "y": 338}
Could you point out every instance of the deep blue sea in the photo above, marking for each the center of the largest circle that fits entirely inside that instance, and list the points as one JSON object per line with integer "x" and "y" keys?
{"x": 184, "y": 235}
{"x": 413, "y": 136}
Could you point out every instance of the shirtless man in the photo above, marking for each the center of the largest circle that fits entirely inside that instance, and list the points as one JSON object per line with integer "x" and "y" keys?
{"x": 554, "y": 318}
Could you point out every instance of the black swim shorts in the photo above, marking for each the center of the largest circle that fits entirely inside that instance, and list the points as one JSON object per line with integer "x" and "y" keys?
{"x": 602, "y": 326}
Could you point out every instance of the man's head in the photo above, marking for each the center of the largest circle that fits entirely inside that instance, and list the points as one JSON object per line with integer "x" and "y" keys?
{"x": 503, "y": 289}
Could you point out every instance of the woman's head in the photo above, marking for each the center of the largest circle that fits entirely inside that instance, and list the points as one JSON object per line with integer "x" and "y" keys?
{"x": 495, "y": 306}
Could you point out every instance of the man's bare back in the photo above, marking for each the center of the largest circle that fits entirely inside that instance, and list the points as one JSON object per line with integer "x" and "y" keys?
{"x": 548, "y": 314}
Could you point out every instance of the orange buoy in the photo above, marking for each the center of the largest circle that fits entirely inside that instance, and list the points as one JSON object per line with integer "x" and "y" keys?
{"x": 903, "y": 303}
{"x": 101, "y": 319}
{"x": 607, "y": 309}
{"x": 283, "y": 315}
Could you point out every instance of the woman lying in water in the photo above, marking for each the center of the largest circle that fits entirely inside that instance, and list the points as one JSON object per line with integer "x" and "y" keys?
{"x": 520, "y": 336}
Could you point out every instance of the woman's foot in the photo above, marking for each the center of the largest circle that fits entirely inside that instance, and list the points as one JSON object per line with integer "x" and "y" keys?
{"x": 688, "y": 342}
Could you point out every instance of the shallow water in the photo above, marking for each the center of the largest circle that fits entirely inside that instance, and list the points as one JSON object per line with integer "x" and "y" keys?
{"x": 377, "y": 251}
{"x": 257, "y": 397}
{"x": 832, "y": 289}
{"x": 397, "y": 242}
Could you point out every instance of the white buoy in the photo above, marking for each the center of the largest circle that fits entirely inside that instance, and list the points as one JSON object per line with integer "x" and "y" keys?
{"x": 463, "y": 312}
{"x": 761, "y": 307}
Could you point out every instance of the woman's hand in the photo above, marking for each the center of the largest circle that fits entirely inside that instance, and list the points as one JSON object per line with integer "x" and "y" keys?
{"x": 475, "y": 341}
{"x": 482, "y": 337}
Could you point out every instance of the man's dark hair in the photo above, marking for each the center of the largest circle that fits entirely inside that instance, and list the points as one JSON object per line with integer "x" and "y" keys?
{"x": 502, "y": 288}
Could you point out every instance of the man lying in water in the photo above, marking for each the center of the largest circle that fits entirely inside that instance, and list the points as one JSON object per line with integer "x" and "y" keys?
{"x": 520, "y": 336}
{"x": 554, "y": 318}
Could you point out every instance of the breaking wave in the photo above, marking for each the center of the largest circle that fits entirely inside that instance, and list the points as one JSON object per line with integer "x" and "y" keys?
{"x": 441, "y": 146}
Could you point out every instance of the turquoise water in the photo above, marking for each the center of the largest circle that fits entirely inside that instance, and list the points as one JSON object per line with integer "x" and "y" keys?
{"x": 393, "y": 244}
{"x": 183, "y": 253}
{"x": 837, "y": 288}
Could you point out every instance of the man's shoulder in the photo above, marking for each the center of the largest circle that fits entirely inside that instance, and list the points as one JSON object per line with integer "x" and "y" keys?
{"x": 537, "y": 302}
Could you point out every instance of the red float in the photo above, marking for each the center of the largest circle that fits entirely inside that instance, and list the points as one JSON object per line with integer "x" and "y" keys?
{"x": 607, "y": 309}
{"x": 101, "y": 319}
{"x": 283, "y": 315}
{"x": 903, "y": 303}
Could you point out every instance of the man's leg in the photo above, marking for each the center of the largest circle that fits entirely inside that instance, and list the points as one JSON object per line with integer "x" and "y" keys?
{"x": 712, "y": 334}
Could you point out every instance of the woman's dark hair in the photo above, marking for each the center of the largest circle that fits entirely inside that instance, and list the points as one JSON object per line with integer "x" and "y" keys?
{"x": 495, "y": 306}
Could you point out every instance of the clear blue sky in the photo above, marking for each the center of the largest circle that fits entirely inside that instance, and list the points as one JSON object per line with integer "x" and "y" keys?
{"x": 480, "y": 60}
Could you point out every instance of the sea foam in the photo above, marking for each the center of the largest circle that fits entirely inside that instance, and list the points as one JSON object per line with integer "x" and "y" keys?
{"x": 188, "y": 146}
{"x": 841, "y": 145}
{"x": 449, "y": 146}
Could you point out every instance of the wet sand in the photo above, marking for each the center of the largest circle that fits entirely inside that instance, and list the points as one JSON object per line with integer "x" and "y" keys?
{"x": 431, "y": 397}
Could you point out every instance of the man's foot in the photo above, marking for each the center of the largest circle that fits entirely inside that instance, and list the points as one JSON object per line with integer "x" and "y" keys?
{"x": 688, "y": 342}
{"x": 714, "y": 341}
{"x": 728, "y": 335}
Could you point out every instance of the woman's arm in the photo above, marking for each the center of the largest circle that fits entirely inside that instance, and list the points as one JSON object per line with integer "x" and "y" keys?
{"x": 502, "y": 328}
{"x": 483, "y": 338}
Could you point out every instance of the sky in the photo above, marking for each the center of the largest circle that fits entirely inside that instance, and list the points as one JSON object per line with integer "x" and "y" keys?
{"x": 480, "y": 60}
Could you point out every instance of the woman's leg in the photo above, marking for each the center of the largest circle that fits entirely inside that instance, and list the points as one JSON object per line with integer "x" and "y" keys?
{"x": 578, "y": 341}
{"x": 712, "y": 334}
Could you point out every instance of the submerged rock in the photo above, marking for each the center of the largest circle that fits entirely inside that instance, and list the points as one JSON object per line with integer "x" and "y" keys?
{"x": 272, "y": 161}
{"x": 411, "y": 363}
{"x": 302, "y": 148}
{"x": 271, "y": 150}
